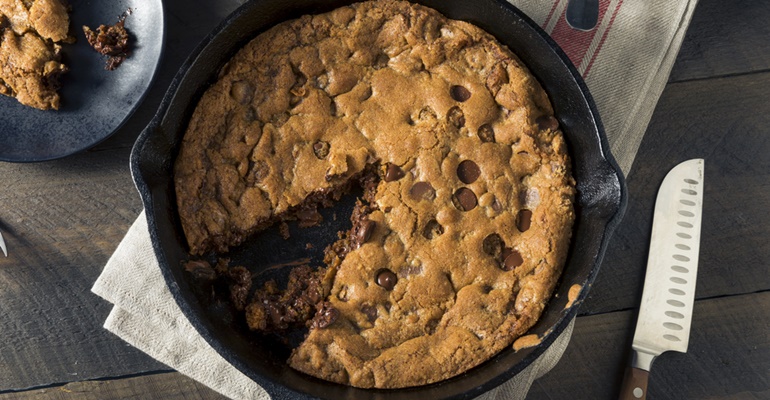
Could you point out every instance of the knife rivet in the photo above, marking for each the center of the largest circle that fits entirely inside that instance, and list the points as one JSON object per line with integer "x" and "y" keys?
{"x": 638, "y": 393}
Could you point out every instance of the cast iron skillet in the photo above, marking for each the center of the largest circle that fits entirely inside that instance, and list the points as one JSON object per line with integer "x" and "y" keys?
{"x": 600, "y": 202}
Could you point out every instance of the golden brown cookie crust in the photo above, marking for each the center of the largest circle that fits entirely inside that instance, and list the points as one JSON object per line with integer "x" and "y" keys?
{"x": 474, "y": 223}
{"x": 30, "y": 36}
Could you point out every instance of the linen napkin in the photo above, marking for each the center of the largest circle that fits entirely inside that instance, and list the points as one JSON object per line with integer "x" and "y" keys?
{"x": 625, "y": 61}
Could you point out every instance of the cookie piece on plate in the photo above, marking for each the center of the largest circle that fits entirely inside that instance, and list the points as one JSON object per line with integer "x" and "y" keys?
{"x": 31, "y": 34}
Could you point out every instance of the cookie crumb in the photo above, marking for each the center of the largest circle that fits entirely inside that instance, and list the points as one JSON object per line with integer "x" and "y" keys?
{"x": 526, "y": 342}
{"x": 110, "y": 40}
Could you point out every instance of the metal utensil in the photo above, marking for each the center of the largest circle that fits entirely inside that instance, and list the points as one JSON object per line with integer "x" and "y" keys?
{"x": 665, "y": 313}
{"x": 582, "y": 14}
{"x": 2, "y": 245}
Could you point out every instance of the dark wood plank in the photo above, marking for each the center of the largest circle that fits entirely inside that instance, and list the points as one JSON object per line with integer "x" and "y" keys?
{"x": 61, "y": 221}
{"x": 725, "y": 38}
{"x": 726, "y": 121}
{"x": 167, "y": 386}
{"x": 727, "y": 357}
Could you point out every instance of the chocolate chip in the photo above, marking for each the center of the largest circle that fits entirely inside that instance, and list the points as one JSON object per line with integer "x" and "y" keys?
{"x": 456, "y": 117}
{"x": 432, "y": 325}
{"x": 547, "y": 122}
{"x": 240, "y": 283}
{"x": 486, "y": 133}
{"x": 321, "y": 149}
{"x": 422, "y": 191}
{"x": 366, "y": 94}
{"x": 468, "y": 171}
{"x": 325, "y": 316}
{"x": 201, "y": 270}
{"x": 496, "y": 205}
{"x": 370, "y": 311}
{"x": 365, "y": 230}
{"x": 239, "y": 275}
{"x": 242, "y": 92}
{"x": 386, "y": 278}
{"x": 524, "y": 220}
{"x": 512, "y": 259}
{"x": 308, "y": 216}
{"x": 464, "y": 199}
{"x": 258, "y": 171}
{"x": 381, "y": 61}
{"x": 393, "y": 172}
{"x": 432, "y": 229}
{"x": 493, "y": 246}
{"x": 459, "y": 93}
{"x": 250, "y": 115}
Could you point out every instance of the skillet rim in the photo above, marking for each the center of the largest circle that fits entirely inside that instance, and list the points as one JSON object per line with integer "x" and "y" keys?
{"x": 148, "y": 153}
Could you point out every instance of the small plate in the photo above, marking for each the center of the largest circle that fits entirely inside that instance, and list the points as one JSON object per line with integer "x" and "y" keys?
{"x": 94, "y": 102}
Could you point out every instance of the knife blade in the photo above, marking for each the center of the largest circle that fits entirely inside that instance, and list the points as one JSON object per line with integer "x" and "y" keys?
{"x": 665, "y": 313}
{"x": 2, "y": 245}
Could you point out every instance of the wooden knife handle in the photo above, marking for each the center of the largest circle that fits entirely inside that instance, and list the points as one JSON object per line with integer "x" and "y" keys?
{"x": 634, "y": 385}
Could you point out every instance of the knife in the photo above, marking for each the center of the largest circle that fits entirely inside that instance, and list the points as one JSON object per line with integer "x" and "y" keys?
{"x": 665, "y": 313}
{"x": 2, "y": 245}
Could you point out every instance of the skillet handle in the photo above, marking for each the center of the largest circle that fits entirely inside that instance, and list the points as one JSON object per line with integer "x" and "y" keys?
{"x": 634, "y": 385}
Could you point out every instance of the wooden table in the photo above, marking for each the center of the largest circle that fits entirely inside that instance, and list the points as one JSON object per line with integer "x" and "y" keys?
{"x": 62, "y": 220}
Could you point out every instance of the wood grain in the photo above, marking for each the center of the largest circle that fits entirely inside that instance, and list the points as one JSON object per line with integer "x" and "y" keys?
{"x": 726, "y": 122}
{"x": 61, "y": 221}
{"x": 727, "y": 357}
{"x": 634, "y": 384}
{"x": 724, "y": 38}
{"x": 167, "y": 386}
{"x": 59, "y": 233}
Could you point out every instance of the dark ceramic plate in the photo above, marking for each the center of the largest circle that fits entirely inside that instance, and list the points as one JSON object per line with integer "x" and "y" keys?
{"x": 599, "y": 204}
{"x": 94, "y": 102}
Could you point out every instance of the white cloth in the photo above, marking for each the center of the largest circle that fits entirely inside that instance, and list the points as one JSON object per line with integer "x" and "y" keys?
{"x": 625, "y": 61}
